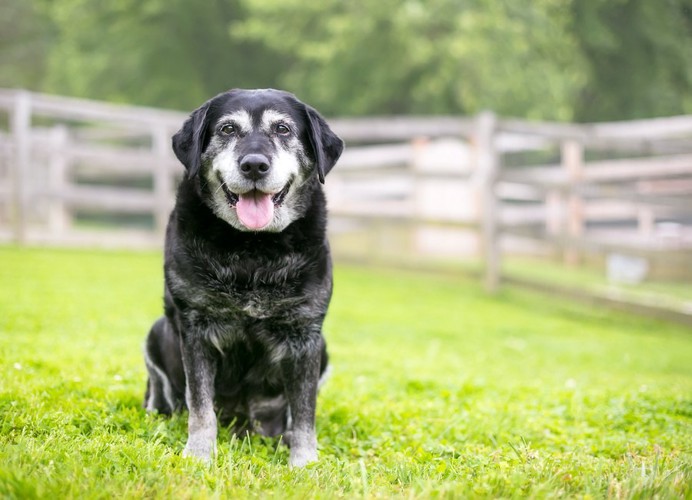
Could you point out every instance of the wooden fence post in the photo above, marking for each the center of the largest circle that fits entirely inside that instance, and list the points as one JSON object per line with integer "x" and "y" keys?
{"x": 572, "y": 153}
{"x": 554, "y": 217}
{"x": 20, "y": 125}
{"x": 59, "y": 218}
{"x": 487, "y": 165}
{"x": 163, "y": 182}
{"x": 419, "y": 146}
{"x": 646, "y": 220}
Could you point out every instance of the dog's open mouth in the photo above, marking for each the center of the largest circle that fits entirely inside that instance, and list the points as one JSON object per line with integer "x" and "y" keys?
{"x": 255, "y": 209}
{"x": 277, "y": 198}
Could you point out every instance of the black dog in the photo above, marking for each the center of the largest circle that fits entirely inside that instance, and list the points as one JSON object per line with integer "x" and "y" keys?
{"x": 248, "y": 274}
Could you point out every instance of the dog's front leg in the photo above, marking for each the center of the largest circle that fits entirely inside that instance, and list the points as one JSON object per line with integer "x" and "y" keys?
{"x": 301, "y": 376}
{"x": 200, "y": 372}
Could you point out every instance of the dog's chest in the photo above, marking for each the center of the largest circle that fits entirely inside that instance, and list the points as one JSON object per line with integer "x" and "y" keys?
{"x": 250, "y": 288}
{"x": 262, "y": 302}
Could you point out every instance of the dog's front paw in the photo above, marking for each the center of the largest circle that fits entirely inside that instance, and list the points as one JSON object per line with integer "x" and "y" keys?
{"x": 300, "y": 457}
{"x": 201, "y": 450}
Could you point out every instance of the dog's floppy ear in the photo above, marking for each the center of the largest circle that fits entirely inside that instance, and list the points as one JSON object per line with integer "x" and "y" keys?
{"x": 189, "y": 140}
{"x": 326, "y": 145}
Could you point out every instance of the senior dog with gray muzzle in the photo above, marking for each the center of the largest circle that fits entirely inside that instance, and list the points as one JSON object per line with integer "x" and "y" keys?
{"x": 248, "y": 273}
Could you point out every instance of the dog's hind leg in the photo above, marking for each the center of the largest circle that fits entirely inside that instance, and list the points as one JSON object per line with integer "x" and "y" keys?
{"x": 159, "y": 395}
{"x": 166, "y": 381}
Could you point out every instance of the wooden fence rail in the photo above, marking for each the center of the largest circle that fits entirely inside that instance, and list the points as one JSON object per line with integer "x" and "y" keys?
{"x": 418, "y": 188}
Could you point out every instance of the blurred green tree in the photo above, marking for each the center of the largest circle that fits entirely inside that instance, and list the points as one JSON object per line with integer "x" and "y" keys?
{"x": 169, "y": 53}
{"x": 639, "y": 55}
{"x": 435, "y": 56}
{"x": 539, "y": 59}
{"x": 25, "y": 38}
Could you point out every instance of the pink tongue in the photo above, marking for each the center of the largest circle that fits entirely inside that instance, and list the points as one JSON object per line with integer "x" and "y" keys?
{"x": 255, "y": 209}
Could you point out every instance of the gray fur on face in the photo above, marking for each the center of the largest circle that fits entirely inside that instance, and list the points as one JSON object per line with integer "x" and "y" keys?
{"x": 290, "y": 167}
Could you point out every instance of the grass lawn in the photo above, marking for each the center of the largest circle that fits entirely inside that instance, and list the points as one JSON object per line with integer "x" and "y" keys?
{"x": 675, "y": 295}
{"x": 437, "y": 391}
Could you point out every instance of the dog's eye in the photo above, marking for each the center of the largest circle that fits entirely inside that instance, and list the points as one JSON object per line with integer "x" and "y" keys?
{"x": 282, "y": 129}
{"x": 228, "y": 129}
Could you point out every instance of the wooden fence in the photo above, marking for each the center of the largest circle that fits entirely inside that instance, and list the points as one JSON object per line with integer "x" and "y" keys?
{"x": 613, "y": 188}
{"x": 62, "y": 156}
{"x": 407, "y": 189}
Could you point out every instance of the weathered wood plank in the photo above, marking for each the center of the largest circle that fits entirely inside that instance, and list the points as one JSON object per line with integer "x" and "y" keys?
{"x": 20, "y": 126}
{"x": 603, "y": 171}
{"x": 374, "y": 157}
{"x": 648, "y": 129}
{"x": 71, "y": 108}
{"x": 108, "y": 160}
{"x": 600, "y": 133}
{"x": 639, "y": 168}
{"x": 487, "y": 164}
{"x": 118, "y": 200}
{"x": 593, "y": 211}
{"x": 600, "y": 242}
{"x": 400, "y": 128}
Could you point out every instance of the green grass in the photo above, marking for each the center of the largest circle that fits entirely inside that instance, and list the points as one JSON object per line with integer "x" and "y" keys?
{"x": 677, "y": 295}
{"x": 437, "y": 391}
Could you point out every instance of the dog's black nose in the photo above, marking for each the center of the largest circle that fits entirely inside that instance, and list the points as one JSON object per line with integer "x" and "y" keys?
{"x": 254, "y": 166}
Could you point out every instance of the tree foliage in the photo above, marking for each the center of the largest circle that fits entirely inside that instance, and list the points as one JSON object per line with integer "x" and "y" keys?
{"x": 362, "y": 57}
{"x": 25, "y": 38}
{"x": 639, "y": 57}
{"x": 171, "y": 53}
{"x": 542, "y": 59}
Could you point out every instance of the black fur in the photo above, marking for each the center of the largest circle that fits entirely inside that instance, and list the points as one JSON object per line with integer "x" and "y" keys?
{"x": 242, "y": 329}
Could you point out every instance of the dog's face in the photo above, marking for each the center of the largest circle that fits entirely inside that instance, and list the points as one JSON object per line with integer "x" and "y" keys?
{"x": 254, "y": 152}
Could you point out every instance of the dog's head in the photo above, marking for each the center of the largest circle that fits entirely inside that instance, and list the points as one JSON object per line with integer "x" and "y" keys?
{"x": 254, "y": 151}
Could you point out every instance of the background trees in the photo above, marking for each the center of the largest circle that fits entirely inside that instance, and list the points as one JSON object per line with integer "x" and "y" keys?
{"x": 639, "y": 57}
{"x": 542, "y": 59}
